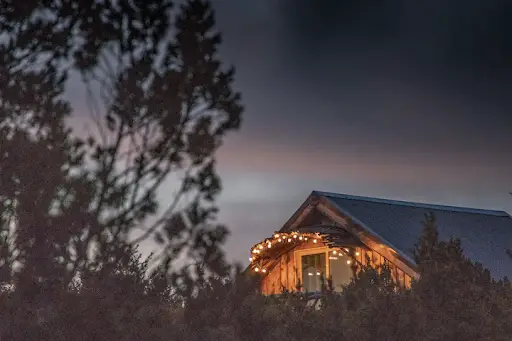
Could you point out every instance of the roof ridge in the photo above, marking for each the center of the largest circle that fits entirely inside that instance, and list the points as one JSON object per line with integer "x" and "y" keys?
{"x": 415, "y": 204}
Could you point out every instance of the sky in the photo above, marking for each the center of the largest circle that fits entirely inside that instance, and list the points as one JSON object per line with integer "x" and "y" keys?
{"x": 408, "y": 100}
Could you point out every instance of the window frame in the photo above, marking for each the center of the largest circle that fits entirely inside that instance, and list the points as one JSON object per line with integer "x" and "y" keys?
{"x": 312, "y": 251}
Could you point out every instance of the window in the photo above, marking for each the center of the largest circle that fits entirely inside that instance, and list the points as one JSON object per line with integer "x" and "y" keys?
{"x": 313, "y": 270}
{"x": 318, "y": 264}
{"x": 341, "y": 270}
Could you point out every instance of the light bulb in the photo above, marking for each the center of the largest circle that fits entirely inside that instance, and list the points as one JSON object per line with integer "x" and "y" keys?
{"x": 348, "y": 262}
{"x": 294, "y": 236}
{"x": 257, "y": 269}
{"x": 314, "y": 241}
{"x": 279, "y": 240}
{"x": 334, "y": 252}
{"x": 357, "y": 253}
{"x": 289, "y": 240}
{"x": 276, "y": 235}
{"x": 263, "y": 270}
{"x": 250, "y": 259}
{"x": 261, "y": 247}
{"x": 318, "y": 273}
{"x": 300, "y": 238}
{"x": 269, "y": 245}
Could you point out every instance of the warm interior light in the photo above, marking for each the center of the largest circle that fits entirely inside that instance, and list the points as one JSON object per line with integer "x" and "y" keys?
{"x": 357, "y": 253}
{"x": 334, "y": 252}
{"x": 257, "y": 269}
{"x": 348, "y": 262}
{"x": 314, "y": 241}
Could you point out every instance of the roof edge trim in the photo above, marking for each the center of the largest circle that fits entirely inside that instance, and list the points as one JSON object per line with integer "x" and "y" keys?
{"x": 414, "y": 204}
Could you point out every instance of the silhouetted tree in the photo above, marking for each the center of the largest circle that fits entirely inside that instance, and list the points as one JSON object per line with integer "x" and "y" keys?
{"x": 74, "y": 204}
{"x": 163, "y": 103}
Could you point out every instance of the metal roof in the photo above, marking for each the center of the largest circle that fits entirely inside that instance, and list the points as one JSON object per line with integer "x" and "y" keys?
{"x": 485, "y": 235}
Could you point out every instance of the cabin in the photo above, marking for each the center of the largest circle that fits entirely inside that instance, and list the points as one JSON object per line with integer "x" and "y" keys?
{"x": 332, "y": 235}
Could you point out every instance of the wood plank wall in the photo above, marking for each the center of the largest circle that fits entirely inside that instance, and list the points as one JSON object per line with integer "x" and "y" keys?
{"x": 284, "y": 274}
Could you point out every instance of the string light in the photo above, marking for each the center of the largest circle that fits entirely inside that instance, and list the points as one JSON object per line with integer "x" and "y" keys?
{"x": 258, "y": 250}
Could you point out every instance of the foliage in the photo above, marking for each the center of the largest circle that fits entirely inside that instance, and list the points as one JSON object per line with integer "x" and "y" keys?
{"x": 161, "y": 101}
{"x": 75, "y": 204}
{"x": 454, "y": 299}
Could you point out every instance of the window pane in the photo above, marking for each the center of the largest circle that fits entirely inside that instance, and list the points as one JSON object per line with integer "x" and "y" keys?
{"x": 313, "y": 270}
{"x": 341, "y": 272}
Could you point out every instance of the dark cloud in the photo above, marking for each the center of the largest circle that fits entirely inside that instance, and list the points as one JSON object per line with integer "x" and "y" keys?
{"x": 375, "y": 76}
{"x": 433, "y": 35}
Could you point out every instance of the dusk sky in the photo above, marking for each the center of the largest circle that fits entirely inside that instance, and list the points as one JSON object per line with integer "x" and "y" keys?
{"x": 399, "y": 99}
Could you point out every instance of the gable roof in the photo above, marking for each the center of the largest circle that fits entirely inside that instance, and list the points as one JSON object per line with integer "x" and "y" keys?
{"x": 485, "y": 235}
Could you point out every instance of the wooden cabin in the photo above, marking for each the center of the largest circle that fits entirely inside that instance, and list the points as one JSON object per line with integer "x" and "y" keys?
{"x": 332, "y": 235}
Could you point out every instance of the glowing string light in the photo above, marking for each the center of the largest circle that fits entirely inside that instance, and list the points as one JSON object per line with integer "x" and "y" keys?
{"x": 261, "y": 248}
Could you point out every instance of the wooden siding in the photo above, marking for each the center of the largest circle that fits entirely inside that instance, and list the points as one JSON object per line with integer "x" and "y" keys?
{"x": 285, "y": 274}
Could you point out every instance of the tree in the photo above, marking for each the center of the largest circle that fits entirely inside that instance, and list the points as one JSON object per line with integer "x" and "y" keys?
{"x": 162, "y": 102}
